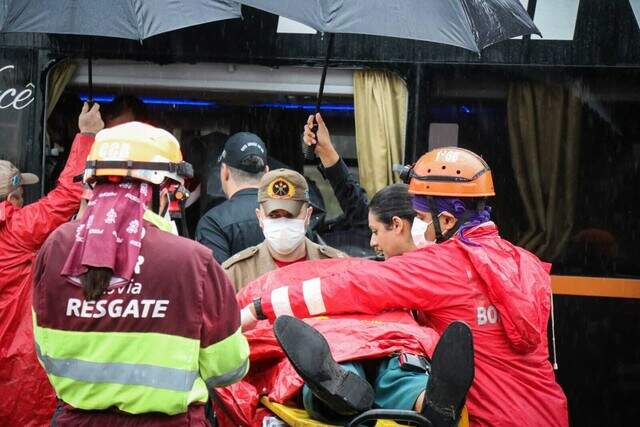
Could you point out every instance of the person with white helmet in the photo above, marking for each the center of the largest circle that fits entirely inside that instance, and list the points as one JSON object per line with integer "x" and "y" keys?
{"x": 133, "y": 324}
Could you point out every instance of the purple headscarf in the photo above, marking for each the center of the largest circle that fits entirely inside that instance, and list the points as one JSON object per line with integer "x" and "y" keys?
{"x": 455, "y": 207}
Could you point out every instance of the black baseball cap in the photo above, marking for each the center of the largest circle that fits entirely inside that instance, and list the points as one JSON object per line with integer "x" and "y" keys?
{"x": 239, "y": 148}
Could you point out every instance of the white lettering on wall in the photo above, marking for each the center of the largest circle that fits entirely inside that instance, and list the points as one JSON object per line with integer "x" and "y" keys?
{"x": 17, "y": 99}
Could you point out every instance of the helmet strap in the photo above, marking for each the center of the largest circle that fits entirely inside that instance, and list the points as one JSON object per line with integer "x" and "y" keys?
{"x": 155, "y": 198}
{"x": 460, "y": 221}
{"x": 183, "y": 215}
{"x": 435, "y": 220}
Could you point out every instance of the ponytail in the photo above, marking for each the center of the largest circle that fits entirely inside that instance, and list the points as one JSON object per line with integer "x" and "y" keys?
{"x": 95, "y": 281}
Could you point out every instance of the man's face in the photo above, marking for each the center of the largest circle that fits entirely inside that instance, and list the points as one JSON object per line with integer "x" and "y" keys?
{"x": 125, "y": 117}
{"x": 304, "y": 214}
{"x": 446, "y": 220}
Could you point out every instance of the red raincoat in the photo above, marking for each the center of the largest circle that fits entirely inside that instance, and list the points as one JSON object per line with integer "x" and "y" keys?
{"x": 350, "y": 338}
{"x": 27, "y": 396}
{"x": 503, "y": 292}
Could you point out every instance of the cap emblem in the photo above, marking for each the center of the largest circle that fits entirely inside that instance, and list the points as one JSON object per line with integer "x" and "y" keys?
{"x": 280, "y": 188}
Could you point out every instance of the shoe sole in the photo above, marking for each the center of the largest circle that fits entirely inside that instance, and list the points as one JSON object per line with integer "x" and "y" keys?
{"x": 309, "y": 353}
{"x": 452, "y": 372}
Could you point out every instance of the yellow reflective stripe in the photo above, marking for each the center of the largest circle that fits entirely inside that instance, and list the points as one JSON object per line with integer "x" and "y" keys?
{"x": 226, "y": 361}
{"x": 120, "y": 347}
{"x": 134, "y": 399}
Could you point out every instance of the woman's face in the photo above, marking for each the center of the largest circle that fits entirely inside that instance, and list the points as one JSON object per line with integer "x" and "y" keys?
{"x": 391, "y": 240}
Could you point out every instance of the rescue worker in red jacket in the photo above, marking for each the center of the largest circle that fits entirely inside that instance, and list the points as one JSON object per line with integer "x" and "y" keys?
{"x": 133, "y": 324}
{"x": 502, "y": 291}
{"x": 27, "y": 398}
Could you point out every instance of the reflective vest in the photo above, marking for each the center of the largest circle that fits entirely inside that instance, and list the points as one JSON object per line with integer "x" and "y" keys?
{"x": 154, "y": 344}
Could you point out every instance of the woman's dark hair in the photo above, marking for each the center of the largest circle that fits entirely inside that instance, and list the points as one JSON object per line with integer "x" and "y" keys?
{"x": 95, "y": 281}
{"x": 391, "y": 201}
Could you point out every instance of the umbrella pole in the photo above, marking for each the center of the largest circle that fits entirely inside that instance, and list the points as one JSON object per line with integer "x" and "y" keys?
{"x": 90, "y": 73}
{"x": 309, "y": 150}
{"x": 324, "y": 72}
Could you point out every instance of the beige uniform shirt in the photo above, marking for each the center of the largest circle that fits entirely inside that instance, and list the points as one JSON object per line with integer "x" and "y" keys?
{"x": 253, "y": 262}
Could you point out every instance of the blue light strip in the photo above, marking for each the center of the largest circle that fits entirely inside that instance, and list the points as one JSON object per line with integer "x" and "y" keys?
{"x": 193, "y": 103}
{"x": 155, "y": 101}
{"x": 324, "y": 107}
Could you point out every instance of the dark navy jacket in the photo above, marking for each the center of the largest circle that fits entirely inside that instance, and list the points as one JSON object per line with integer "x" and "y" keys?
{"x": 231, "y": 226}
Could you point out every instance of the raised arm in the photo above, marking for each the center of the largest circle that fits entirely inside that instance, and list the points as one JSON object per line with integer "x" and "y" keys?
{"x": 352, "y": 198}
{"x": 33, "y": 223}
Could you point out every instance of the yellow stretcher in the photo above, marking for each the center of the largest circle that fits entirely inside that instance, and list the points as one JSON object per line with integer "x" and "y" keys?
{"x": 297, "y": 417}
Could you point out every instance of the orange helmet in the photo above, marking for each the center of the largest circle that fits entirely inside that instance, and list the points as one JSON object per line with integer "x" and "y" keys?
{"x": 450, "y": 172}
{"x": 139, "y": 151}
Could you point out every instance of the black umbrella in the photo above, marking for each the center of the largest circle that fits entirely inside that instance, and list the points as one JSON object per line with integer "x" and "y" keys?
{"x": 136, "y": 20}
{"x": 128, "y": 19}
{"x": 470, "y": 24}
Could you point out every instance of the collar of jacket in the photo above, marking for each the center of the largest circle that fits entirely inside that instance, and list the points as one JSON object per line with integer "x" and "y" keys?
{"x": 485, "y": 229}
{"x": 160, "y": 222}
{"x": 245, "y": 192}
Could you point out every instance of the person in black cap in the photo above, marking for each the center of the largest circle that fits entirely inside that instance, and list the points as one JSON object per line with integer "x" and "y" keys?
{"x": 232, "y": 225}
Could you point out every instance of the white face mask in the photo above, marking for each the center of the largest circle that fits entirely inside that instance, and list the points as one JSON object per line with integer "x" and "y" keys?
{"x": 418, "y": 230}
{"x": 284, "y": 234}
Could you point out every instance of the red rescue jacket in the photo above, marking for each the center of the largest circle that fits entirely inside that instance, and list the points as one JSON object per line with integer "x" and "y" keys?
{"x": 27, "y": 397}
{"x": 352, "y": 337}
{"x": 502, "y": 291}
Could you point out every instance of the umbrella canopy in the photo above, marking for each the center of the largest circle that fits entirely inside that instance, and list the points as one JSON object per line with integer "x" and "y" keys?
{"x": 129, "y": 19}
{"x": 470, "y": 24}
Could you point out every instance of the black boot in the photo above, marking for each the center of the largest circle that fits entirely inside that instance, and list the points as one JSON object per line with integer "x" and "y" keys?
{"x": 452, "y": 370}
{"x": 342, "y": 391}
